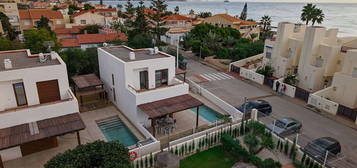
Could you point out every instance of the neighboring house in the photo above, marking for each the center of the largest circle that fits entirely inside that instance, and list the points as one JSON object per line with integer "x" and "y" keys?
{"x": 84, "y": 41}
{"x": 178, "y": 26}
{"x": 341, "y": 97}
{"x": 246, "y": 28}
{"x": 314, "y": 53}
{"x": 40, "y": 5}
{"x": 133, "y": 77}
{"x": 29, "y": 18}
{"x": 68, "y": 32}
{"x": 36, "y": 103}
{"x": 103, "y": 17}
{"x": 12, "y": 12}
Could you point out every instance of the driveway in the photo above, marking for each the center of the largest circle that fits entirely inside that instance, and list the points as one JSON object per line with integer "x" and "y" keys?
{"x": 315, "y": 125}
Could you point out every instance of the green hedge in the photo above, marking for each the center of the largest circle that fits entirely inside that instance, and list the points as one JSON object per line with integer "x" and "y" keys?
{"x": 97, "y": 154}
{"x": 234, "y": 147}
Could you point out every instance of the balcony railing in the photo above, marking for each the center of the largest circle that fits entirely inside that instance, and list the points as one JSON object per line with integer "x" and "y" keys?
{"x": 176, "y": 82}
{"x": 69, "y": 97}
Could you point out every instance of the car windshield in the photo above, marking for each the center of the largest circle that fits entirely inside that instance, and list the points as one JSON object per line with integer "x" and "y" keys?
{"x": 248, "y": 106}
{"x": 279, "y": 124}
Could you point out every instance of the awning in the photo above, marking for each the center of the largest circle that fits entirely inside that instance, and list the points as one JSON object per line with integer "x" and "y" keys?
{"x": 20, "y": 134}
{"x": 179, "y": 71}
{"x": 88, "y": 80}
{"x": 171, "y": 105}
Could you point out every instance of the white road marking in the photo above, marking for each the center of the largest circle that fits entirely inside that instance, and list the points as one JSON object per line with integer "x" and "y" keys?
{"x": 216, "y": 76}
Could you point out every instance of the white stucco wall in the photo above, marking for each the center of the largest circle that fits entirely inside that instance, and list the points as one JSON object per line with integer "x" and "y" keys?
{"x": 127, "y": 73}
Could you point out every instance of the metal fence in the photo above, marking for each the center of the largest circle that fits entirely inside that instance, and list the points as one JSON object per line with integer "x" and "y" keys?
{"x": 326, "y": 159}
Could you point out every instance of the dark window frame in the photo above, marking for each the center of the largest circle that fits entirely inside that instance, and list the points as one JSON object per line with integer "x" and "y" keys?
{"x": 163, "y": 79}
{"x": 16, "y": 96}
{"x": 145, "y": 83}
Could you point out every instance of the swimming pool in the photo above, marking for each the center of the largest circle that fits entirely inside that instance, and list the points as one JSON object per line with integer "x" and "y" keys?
{"x": 114, "y": 129}
{"x": 208, "y": 113}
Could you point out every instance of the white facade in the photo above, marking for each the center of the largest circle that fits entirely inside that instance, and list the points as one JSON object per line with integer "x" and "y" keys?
{"x": 11, "y": 114}
{"x": 121, "y": 77}
{"x": 313, "y": 53}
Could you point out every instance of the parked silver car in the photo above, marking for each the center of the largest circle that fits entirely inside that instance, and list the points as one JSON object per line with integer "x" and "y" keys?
{"x": 285, "y": 126}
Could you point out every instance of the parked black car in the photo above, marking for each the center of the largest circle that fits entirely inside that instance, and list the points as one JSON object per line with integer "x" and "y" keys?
{"x": 261, "y": 105}
{"x": 318, "y": 148}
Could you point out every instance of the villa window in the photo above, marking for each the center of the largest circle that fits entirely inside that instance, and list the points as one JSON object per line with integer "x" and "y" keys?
{"x": 113, "y": 83}
{"x": 161, "y": 77}
{"x": 83, "y": 21}
{"x": 144, "y": 80}
{"x": 20, "y": 94}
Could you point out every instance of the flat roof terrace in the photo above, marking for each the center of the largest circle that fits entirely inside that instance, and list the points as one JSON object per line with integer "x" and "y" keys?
{"x": 20, "y": 60}
{"x": 123, "y": 53}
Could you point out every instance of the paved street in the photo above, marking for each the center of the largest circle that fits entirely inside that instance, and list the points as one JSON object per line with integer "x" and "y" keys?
{"x": 315, "y": 125}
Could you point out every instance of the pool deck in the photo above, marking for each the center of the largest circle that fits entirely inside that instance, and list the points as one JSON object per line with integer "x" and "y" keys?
{"x": 69, "y": 141}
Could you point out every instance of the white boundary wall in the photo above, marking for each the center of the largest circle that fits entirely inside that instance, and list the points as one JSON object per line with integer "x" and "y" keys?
{"x": 251, "y": 75}
{"x": 290, "y": 90}
{"x": 317, "y": 100}
{"x": 196, "y": 88}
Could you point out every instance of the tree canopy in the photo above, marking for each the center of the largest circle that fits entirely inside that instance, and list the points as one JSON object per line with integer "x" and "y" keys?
{"x": 37, "y": 40}
{"x": 311, "y": 13}
{"x": 81, "y": 61}
{"x": 43, "y": 23}
{"x": 244, "y": 13}
{"x": 90, "y": 29}
{"x": 96, "y": 154}
{"x": 10, "y": 32}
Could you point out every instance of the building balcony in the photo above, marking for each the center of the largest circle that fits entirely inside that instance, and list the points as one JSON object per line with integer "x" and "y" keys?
{"x": 30, "y": 113}
{"x": 175, "y": 88}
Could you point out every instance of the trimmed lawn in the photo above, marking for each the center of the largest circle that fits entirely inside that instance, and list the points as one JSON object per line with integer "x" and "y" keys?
{"x": 211, "y": 158}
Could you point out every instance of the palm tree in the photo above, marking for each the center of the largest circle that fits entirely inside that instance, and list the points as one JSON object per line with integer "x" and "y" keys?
{"x": 318, "y": 16}
{"x": 307, "y": 13}
{"x": 266, "y": 22}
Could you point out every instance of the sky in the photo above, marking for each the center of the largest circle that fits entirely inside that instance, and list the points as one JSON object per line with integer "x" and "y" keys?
{"x": 312, "y": 1}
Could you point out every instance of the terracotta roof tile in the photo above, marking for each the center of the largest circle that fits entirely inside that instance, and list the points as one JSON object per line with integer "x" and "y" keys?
{"x": 93, "y": 11}
{"x": 69, "y": 43}
{"x": 37, "y": 13}
{"x": 176, "y": 17}
{"x": 234, "y": 19}
{"x": 73, "y": 30}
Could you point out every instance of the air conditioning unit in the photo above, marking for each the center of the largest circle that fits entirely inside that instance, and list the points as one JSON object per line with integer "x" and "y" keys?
{"x": 132, "y": 55}
{"x": 7, "y": 64}
{"x": 42, "y": 57}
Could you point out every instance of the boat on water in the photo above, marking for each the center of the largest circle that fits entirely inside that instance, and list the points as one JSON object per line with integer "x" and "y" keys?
{"x": 226, "y": 0}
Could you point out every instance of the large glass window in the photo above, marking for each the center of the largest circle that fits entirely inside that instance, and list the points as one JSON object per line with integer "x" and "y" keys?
{"x": 144, "y": 82}
{"x": 20, "y": 93}
{"x": 161, "y": 77}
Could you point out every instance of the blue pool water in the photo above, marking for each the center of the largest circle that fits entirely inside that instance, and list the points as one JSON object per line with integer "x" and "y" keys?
{"x": 208, "y": 113}
{"x": 114, "y": 129}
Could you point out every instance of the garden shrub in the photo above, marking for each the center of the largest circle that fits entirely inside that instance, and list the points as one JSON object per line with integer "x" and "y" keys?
{"x": 96, "y": 154}
{"x": 233, "y": 146}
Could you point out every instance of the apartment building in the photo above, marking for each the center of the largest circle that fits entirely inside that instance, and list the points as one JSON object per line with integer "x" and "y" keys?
{"x": 36, "y": 103}
{"x": 313, "y": 53}
{"x": 29, "y": 17}
{"x": 11, "y": 11}
{"x": 178, "y": 26}
{"x": 133, "y": 77}
{"x": 246, "y": 28}
{"x": 95, "y": 16}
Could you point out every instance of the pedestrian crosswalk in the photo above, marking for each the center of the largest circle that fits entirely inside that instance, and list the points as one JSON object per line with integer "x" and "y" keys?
{"x": 216, "y": 76}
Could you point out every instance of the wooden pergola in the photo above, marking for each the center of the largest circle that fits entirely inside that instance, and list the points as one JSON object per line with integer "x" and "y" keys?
{"x": 86, "y": 85}
{"x": 179, "y": 71}
{"x": 161, "y": 108}
{"x": 37, "y": 131}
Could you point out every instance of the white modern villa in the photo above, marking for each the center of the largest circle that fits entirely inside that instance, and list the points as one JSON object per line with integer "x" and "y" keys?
{"x": 142, "y": 83}
{"x": 36, "y": 103}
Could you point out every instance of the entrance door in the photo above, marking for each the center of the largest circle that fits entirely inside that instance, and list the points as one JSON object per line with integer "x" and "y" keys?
{"x": 48, "y": 91}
